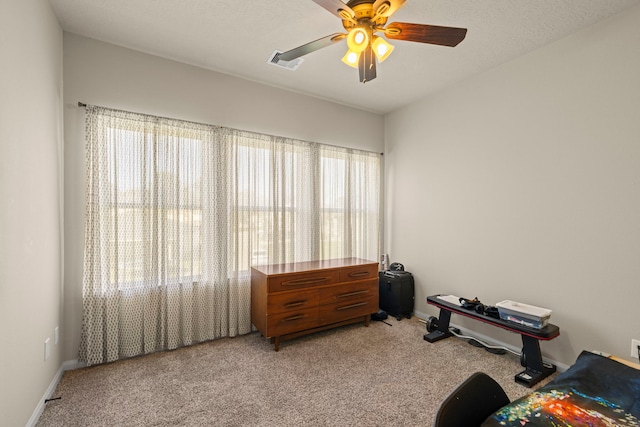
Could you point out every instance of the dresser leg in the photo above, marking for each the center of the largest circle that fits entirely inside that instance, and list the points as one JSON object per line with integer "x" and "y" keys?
{"x": 366, "y": 320}
{"x": 276, "y": 343}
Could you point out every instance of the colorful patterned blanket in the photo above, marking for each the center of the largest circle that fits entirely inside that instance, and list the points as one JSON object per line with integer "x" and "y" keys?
{"x": 596, "y": 392}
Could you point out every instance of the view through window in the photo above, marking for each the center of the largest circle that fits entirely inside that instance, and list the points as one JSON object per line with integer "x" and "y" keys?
{"x": 271, "y": 200}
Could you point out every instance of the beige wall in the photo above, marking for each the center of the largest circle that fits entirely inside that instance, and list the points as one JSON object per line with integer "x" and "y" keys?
{"x": 30, "y": 205}
{"x": 523, "y": 183}
{"x": 110, "y": 76}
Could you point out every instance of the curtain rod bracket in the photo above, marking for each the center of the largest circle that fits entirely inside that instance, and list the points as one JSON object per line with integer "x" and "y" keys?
{"x": 81, "y": 104}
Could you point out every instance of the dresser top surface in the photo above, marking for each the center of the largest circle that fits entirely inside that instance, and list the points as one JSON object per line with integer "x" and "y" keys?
{"x": 298, "y": 267}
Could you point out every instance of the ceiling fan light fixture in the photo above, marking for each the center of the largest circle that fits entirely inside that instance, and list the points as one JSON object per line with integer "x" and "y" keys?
{"x": 358, "y": 39}
{"x": 362, "y": 19}
{"x": 381, "y": 48}
{"x": 351, "y": 58}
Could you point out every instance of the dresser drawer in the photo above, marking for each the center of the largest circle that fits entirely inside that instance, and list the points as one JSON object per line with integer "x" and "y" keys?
{"x": 308, "y": 279}
{"x": 359, "y": 272}
{"x": 349, "y": 291}
{"x": 282, "y": 302}
{"x": 286, "y": 323}
{"x": 348, "y": 309}
{"x": 293, "y": 299}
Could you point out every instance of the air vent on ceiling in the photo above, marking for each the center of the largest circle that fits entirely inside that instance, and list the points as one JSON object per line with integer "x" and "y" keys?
{"x": 293, "y": 65}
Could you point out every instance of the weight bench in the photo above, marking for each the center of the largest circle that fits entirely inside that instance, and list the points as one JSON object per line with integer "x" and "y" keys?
{"x": 531, "y": 358}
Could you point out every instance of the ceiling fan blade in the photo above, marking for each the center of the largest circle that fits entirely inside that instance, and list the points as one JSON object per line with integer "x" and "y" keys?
{"x": 367, "y": 65}
{"x": 334, "y": 6}
{"x": 432, "y": 34}
{"x": 393, "y": 6}
{"x": 310, "y": 47}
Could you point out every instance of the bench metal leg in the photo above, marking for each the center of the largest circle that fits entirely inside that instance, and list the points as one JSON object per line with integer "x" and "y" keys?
{"x": 443, "y": 328}
{"x": 536, "y": 370}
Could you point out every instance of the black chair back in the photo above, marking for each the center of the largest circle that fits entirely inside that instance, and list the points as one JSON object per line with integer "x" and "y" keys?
{"x": 471, "y": 402}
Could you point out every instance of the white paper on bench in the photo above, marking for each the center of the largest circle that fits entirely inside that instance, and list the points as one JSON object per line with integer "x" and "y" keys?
{"x": 451, "y": 299}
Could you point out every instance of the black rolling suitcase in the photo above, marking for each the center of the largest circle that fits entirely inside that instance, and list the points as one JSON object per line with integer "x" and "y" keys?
{"x": 396, "y": 293}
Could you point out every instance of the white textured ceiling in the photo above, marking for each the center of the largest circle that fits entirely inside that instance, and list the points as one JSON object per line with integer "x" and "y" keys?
{"x": 237, "y": 36}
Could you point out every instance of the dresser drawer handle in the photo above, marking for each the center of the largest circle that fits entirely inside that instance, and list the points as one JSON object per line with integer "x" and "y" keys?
{"x": 302, "y": 282}
{"x": 356, "y": 274}
{"x": 295, "y": 304}
{"x": 292, "y": 318}
{"x": 348, "y": 307}
{"x": 350, "y": 294}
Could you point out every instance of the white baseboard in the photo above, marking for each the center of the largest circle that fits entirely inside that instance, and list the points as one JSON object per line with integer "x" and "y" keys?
{"x": 70, "y": 365}
{"x": 561, "y": 367}
{"x": 66, "y": 366}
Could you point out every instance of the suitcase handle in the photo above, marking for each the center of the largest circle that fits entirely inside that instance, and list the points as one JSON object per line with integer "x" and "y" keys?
{"x": 394, "y": 274}
{"x": 350, "y": 294}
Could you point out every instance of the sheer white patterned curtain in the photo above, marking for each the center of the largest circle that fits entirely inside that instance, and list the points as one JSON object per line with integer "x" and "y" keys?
{"x": 299, "y": 201}
{"x": 274, "y": 201}
{"x": 349, "y": 185}
{"x": 177, "y": 212}
{"x": 155, "y": 275}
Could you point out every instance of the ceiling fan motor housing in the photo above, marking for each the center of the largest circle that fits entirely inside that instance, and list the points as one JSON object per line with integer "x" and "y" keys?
{"x": 363, "y": 10}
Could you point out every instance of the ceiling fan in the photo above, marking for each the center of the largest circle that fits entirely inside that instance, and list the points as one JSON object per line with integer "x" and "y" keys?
{"x": 362, "y": 19}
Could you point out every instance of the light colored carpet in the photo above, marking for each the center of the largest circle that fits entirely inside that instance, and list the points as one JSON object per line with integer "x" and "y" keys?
{"x": 351, "y": 376}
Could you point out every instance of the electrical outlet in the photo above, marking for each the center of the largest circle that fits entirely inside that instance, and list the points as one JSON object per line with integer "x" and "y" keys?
{"x": 56, "y": 335}
{"x": 46, "y": 349}
{"x": 635, "y": 348}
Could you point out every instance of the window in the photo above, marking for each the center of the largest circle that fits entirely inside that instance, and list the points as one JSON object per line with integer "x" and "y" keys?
{"x": 178, "y": 212}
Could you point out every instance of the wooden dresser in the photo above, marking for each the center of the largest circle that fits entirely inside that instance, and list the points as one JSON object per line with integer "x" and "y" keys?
{"x": 291, "y": 300}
